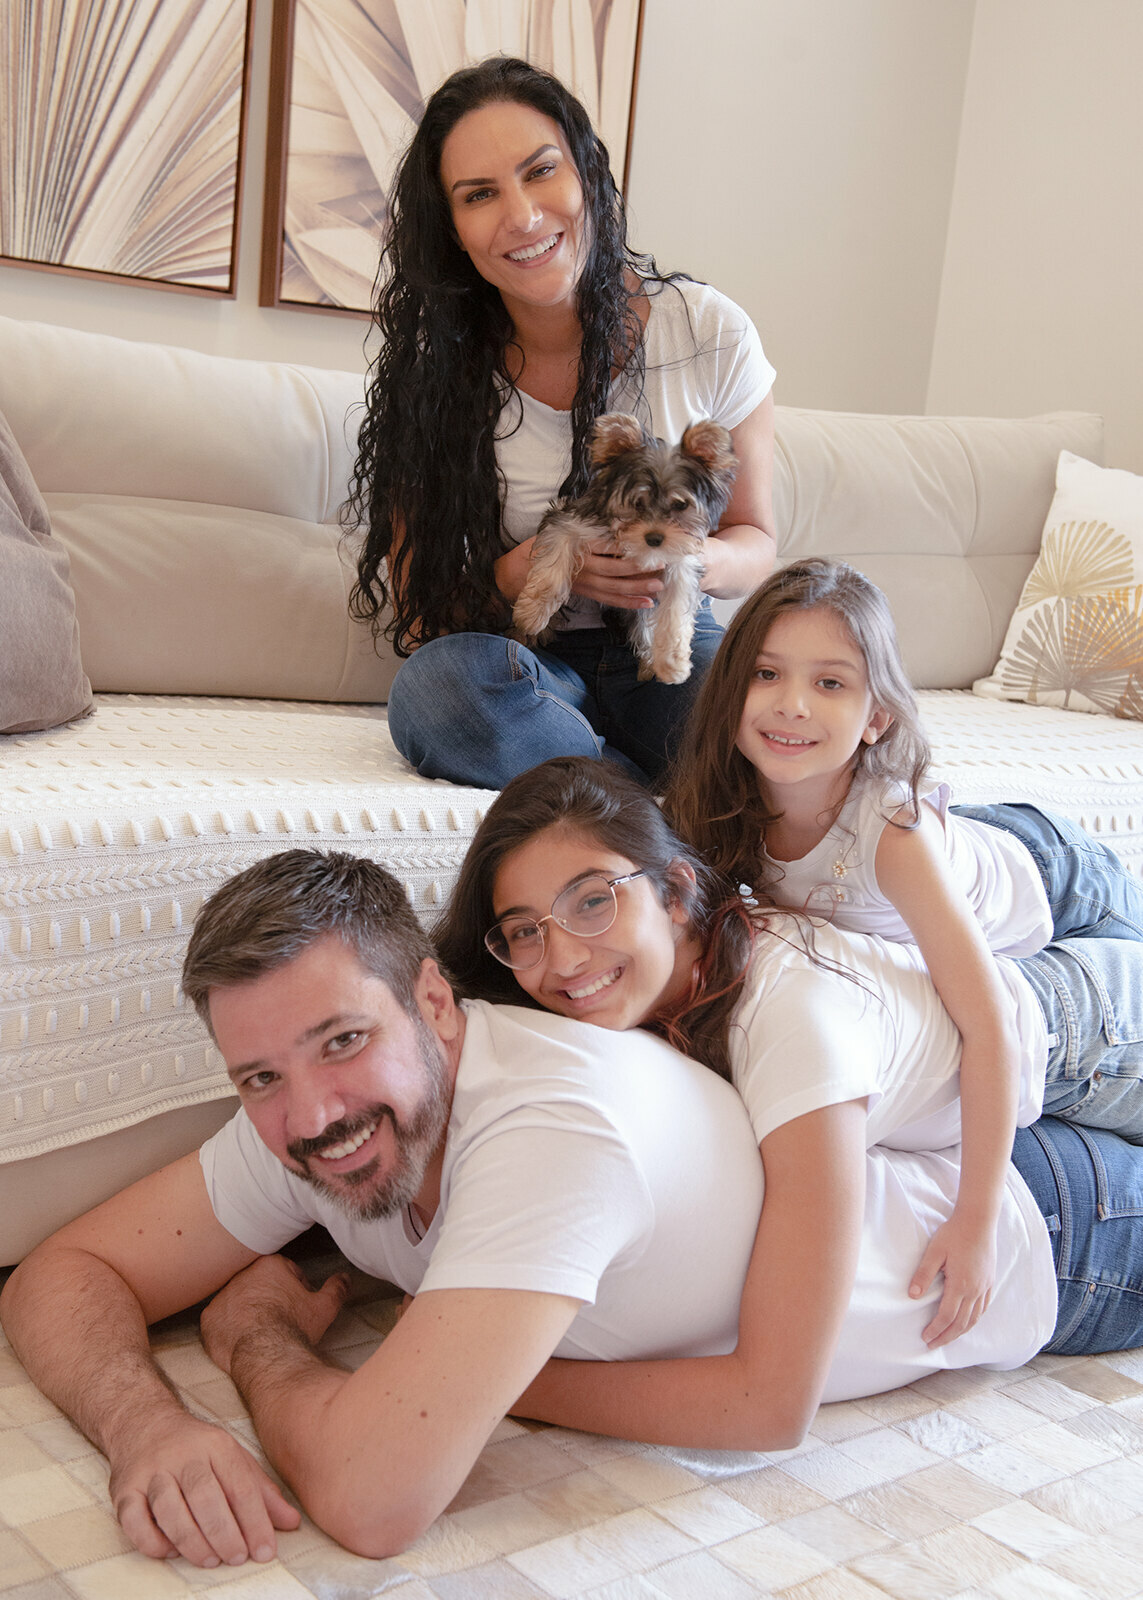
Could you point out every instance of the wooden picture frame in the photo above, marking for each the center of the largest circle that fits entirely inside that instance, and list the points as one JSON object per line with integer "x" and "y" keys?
{"x": 123, "y": 124}
{"x": 344, "y": 100}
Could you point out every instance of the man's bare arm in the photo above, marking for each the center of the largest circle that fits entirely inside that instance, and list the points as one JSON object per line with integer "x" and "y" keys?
{"x": 77, "y": 1311}
{"x": 376, "y": 1455}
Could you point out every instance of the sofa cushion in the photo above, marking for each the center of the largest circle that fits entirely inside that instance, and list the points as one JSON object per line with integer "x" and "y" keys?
{"x": 113, "y": 832}
{"x": 221, "y": 600}
{"x": 42, "y": 681}
{"x": 944, "y": 513}
{"x": 1076, "y": 636}
{"x": 198, "y": 497}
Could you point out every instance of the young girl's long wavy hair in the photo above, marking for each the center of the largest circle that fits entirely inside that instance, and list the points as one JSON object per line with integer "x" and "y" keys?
{"x": 426, "y": 474}
{"x": 713, "y": 798}
{"x": 594, "y": 799}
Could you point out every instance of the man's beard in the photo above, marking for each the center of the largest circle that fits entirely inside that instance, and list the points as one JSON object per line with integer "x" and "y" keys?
{"x": 359, "y": 1193}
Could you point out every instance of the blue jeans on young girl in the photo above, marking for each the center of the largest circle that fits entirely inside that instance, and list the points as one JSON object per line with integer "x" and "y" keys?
{"x": 1089, "y": 1186}
{"x": 1090, "y": 891}
{"x": 1091, "y": 994}
{"x": 1090, "y": 986}
{"x": 479, "y": 708}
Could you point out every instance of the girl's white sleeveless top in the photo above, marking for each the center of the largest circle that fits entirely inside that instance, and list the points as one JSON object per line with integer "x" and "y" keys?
{"x": 838, "y": 878}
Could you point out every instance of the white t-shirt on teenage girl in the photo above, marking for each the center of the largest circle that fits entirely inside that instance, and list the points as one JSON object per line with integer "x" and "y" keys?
{"x": 703, "y": 358}
{"x": 838, "y": 877}
{"x": 805, "y": 1037}
{"x": 864, "y": 1020}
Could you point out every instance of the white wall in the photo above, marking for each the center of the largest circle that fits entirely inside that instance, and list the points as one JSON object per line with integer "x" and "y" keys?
{"x": 768, "y": 158}
{"x": 824, "y": 161}
{"x": 1041, "y": 305}
{"x": 238, "y": 327}
{"x": 799, "y": 154}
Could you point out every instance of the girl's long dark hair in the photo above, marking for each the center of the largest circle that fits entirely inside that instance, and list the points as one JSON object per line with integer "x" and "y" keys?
{"x": 597, "y": 800}
{"x": 712, "y": 798}
{"x": 426, "y": 469}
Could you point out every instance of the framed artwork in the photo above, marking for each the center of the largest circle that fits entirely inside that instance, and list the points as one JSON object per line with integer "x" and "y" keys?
{"x": 349, "y": 80}
{"x": 121, "y": 126}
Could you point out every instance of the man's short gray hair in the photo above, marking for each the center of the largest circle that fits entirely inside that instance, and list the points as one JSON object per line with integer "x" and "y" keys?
{"x": 268, "y": 915}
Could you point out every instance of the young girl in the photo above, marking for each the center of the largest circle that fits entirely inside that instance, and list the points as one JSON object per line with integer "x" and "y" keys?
{"x": 804, "y": 775}
{"x": 576, "y": 896}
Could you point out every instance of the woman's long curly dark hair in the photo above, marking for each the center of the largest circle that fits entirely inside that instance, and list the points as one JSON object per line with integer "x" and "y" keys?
{"x": 597, "y": 800}
{"x": 426, "y": 467}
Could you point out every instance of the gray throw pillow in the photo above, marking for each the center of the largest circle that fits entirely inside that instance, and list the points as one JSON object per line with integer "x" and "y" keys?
{"x": 42, "y": 681}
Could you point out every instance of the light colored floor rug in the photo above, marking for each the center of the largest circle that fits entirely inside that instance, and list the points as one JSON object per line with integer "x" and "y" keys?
{"x": 1024, "y": 1485}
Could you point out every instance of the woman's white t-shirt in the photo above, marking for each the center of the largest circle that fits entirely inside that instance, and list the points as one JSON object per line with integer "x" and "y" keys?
{"x": 703, "y": 358}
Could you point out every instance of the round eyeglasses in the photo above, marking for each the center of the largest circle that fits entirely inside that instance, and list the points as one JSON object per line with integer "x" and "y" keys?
{"x": 585, "y": 908}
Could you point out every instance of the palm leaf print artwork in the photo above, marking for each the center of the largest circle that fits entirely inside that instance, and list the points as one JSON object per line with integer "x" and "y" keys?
{"x": 1090, "y": 647}
{"x": 358, "y": 75}
{"x": 1078, "y": 558}
{"x": 122, "y": 122}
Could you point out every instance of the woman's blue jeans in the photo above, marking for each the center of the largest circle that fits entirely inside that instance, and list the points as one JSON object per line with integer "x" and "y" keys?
{"x": 1090, "y": 891}
{"x": 1089, "y": 1186}
{"x": 479, "y": 708}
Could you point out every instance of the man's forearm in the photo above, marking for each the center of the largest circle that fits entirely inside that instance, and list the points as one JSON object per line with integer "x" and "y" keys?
{"x": 81, "y": 1336}
{"x": 77, "y": 1312}
{"x": 375, "y": 1455}
{"x": 288, "y": 1388}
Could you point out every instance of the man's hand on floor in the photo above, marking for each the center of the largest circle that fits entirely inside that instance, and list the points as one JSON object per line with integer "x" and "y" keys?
{"x": 188, "y": 1488}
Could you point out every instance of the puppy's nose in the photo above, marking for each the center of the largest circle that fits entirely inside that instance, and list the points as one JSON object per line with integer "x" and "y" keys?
{"x": 653, "y": 539}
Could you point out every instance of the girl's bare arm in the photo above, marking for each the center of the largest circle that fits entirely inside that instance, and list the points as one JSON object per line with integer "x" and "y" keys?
{"x": 913, "y": 871}
{"x": 764, "y": 1395}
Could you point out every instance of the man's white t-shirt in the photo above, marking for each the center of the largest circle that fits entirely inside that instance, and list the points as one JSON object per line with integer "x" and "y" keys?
{"x": 580, "y": 1162}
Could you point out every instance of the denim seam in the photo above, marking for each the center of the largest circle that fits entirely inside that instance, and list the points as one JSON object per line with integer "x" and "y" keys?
{"x": 1064, "y": 1253}
{"x": 1067, "y": 1009}
{"x": 1096, "y": 1293}
{"x": 1112, "y": 1030}
{"x": 1105, "y": 1210}
{"x": 546, "y": 694}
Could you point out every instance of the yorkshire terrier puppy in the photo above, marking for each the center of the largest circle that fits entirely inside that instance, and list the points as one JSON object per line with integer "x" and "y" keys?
{"x": 652, "y": 503}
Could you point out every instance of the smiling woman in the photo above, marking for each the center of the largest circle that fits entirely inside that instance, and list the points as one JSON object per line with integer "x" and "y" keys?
{"x": 522, "y": 224}
{"x": 513, "y": 313}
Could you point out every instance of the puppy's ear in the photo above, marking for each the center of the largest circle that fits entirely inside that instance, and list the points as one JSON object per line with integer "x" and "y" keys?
{"x": 710, "y": 443}
{"x": 613, "y": 435}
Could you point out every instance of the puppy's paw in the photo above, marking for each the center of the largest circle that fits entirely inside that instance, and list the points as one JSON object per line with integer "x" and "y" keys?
{"x": 670, "y": 658}
{"x": 533, "y": 611}
{"x": 672, "y": 672}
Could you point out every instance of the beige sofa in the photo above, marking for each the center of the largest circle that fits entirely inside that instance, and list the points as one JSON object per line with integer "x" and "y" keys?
{"x": 238, "y": 711}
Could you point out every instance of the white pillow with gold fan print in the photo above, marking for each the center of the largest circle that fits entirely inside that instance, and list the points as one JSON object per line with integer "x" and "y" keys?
{"x": 1076, "y": 636}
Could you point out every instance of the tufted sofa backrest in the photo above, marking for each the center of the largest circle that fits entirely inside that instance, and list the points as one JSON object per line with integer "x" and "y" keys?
{"x": 197, "y": 496}
{"x": 944, "y": 513}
